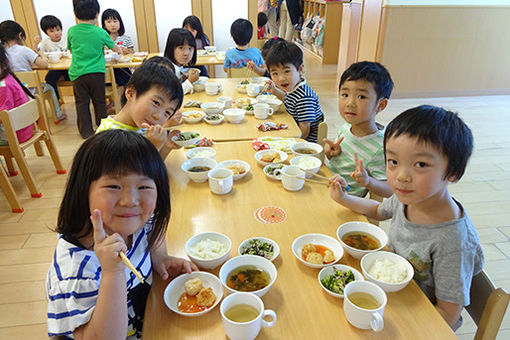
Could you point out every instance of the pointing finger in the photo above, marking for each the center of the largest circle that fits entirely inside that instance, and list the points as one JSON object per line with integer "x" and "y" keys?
{"x": 339, "y": 140}
{"x": 97, "y": 223}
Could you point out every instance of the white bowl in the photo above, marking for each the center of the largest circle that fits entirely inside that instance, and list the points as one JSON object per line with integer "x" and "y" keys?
{"x": 278, "y": 166}
{"x": 241, "y": 87}
{"x": 186, "y": 116}
{"x": 187, "y": 142}
{"x": 259, "y": 154}
{"x": 199, "y": 85}
{"x": 264, "y": 98}
{"x": 275, "y": 104}
{"x": 175, "y": 289}
{"x": 234, "y": 116}
{"x": 198, "y": 177}
{"x": 212, "y": 107}
{"x": 320, "y": 239}
{"x": 368, "y": 228}
{"x": 248, "y": 260}
{"x": 258, "y": 80}
{"x": 309, "y": 163}
{"x": 308, "y": 145}
{"x": 214, "y": 121}
{"x": 209, "y": 263}
{"x": 329, "y": 270}
{"x": 246, "y": 243}
{"x": 210, "y": 48}
{"x": 244, "y": 101}
{"x": 236, "y": 162}
{"x": 368, "y": 260}
{"x": 108, "y": 58}
{"x": 201, "y": 152}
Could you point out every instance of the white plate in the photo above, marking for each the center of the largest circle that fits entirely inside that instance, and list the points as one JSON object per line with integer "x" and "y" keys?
{"x": 187, "y": 142}
{"x": 279, "y": 177}
{"x": 214, "y": 122}
{"x": 259, "y": 154}
{"x": 329, "y": 270}
{"x": 245, "y": 165}
{"x": 190, "y": 120}
{"x": 320, "y": 239}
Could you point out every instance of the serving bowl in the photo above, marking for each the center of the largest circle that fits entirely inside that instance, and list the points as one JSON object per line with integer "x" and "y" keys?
{"x": 248, "y": 260}
{"x": 249, "y": 242}
{"x": 317, "y": 239}
{"x": 261, "y": 153}
{"x": 356, "y": 226}
{"x": 198, "y": 177}
{"x": 212, "y": 107}
{"x": 201, "y": 152}
{"x": 317, "y": 148}
{"x": 308, "y": 163}
{"x": 190, "y": 140}
{"x": 234, "y": 116}
{"x": 329, "y": 270}
{"x": 208, "y": 263}
{"x": 218, "y": 121}
{"x": 176, "y": 287}
{"x": 368, "y": 261}
{"x": 237, "y": 163}
{"x": 187, "y": 116}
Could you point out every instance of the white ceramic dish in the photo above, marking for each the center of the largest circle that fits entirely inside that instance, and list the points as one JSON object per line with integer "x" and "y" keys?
{"x": 212, "y": 107}
{"x": 277, "y": 166}
{"x": 198, "y": 177}
{"x": 319, "y": 239}
{"x": 236, "y": 162}
{"x": 175, "y": 289}
{"x": 210, "y": 49}
{"x": 209, "y": 263}
{"x": 241, "y": 88}
{"x": 275, "y": 104}
{"x": 201, "y": 152}
{"x": 214, "y": 121}
{"x": 309, "y": 163}
{"x": 368, "y": 260}
{"x": 187, "y": 116}
{"x": 264, "y": 98}
{"x": 258, "y": 80}
{"x": 329, "y": 270}
{"x": 246, "y": 243}
{"x": 308, "y": 145}
{"x": 243, "y": 101}
{"x": 199, "y": 85}
{"x": 234, "y": 116}
{"x": 187, "y": 142}
{"x": 261, "y": 153}
{"x": 368, "y": 228}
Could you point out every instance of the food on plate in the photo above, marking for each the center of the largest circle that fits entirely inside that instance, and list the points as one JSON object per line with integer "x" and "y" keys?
{"x": 208, "y": 249}
{"x": 193, "y": 115}
{"x": 361, "y": 240}
{"x": 306, "y": 162}
{"x": 247, "y": 279}
{"x": 241, "y": 102}
{"x": 196, "y": 298}
{"x": 260, "y": 248}
{"x": 214, "y": 116}
{"x": 317, "y": 254}
{"x": 183, "y": 137}
{"x": 271, "y": 157}
{"x": 236, "y": 169}
{"x": 199, "y": 153}
{"x": 199, "y": 168}
{"x": 192, "y": 103}
{"x": 307, "y": 249}
{"x": 193, "y": 286}
{"x": 338, "y": 280}
{"x": 388, "y": 271}
{"x": 314, "y": 258}
{"x": 245, "y": 82}
{"x": 270, "y": 170}
{"x": 248, "y": 107}
{"x": 305, "y": 151}
{"x": 206, "y": 297}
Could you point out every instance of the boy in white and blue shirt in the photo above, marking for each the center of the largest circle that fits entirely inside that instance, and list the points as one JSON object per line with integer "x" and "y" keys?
{"x": 238, "y": 57}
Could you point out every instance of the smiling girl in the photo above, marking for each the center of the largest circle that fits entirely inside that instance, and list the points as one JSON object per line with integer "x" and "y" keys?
{"x": 181, "y": 50}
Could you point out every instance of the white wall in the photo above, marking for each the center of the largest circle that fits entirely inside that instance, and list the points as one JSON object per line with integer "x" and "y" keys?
{"x": 5, "y": 10}
{"x": 169, "y": 15}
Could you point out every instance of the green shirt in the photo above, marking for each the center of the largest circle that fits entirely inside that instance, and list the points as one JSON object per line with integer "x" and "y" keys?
{"x": 87, "y": 42}
{"x": 109, "y": 123}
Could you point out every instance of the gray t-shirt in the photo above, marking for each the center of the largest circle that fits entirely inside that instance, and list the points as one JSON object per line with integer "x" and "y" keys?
{"x": 21, "y": 58}
{"x": 445, "y": 256}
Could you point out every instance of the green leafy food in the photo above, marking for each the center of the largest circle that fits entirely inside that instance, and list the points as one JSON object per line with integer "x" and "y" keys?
{"x": 260, "y": 248}
{"x": 337, "y": 282}
{"x": 183, "y": 137}
{"x": 248, "y": 107}
{"x": 270, "y": 169}
{"x": 213, "y": 117}
{"x": 245, "y": 82}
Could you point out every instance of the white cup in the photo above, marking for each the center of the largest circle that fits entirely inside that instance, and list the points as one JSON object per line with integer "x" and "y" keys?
{"x": 245, "y": 330}
{"x": 252, "y": 90}
{"x": 293, "y": 178}
{"x": 262, "y": 110}
{"x": 361, "y": 317}
{"x": 54, "y": 58}
{"x": 212, "y": 88}
{"x": 227, "y": 101}
{"x": 221, "y": 180}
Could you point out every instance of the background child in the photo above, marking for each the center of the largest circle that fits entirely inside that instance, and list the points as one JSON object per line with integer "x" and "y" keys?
{"x": 426, "y": 148}
{"x": 193, "y": 24}
{"x": 285, "y": 64}
{"x": 21, "y": 58}
{"x": 181, "y": 50}
{"x": 241, "y": 31}
{"x": 261, "y": 24}
{"x": 87, "y": 41}
{"x": 365, "y": 88}
{"x": 112, "y": 23}
{"x": 262, "y": 71}
{"x": 151, "y": 98}
{"x": 117, "y": 199}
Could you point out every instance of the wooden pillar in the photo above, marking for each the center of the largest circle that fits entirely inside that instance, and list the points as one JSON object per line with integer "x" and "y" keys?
{"x": 371, "y": 18}
{"x": 252, "y": 17}
{"x": 24, "y": 14}
{"x": 141, "y": 29}
{"x": 146, "y": 32}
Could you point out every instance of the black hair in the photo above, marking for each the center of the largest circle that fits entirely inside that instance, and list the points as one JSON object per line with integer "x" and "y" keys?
{"x": 374, "y": 73}
{"x": 178, "y": 37}
{"x": 194, "y": 22}
{"x": 50, "y": 21}
{"x": 11, "y": 30}
{"x": 284, "y": 52}
{"x": 111, "y": 152}
{"x": 268, "y": 44}
{"x": 6, "y": 70}
{"x": 440, "y": 128}
{"x": 85, "y": 9}
{"x": 113, "y": 14}
{"x": 241, "y": 31}
{"x": 157, "y": 73}
{"x": 261, "y": 19}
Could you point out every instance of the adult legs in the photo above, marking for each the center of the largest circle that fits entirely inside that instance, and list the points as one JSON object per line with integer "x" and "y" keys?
{"x": 284, "y": 16}
{"x": 272, "y": 23}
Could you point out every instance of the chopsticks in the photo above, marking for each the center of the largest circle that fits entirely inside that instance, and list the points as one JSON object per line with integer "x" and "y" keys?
{"x": 130, "y": 266}
{"x": 314, "y": 174}
{"x": 347, "y": 188}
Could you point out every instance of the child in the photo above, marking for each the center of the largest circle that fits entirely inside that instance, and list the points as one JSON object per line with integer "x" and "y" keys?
{"x": 117, "y": 199}
{"x": 21, "y": 58}
{"x": 87, "y": 41}
{"x": 261, "y": 24}
{"x": 193, "y": 24}
{"x": 285, "y": 64}
{"x": 151, "y": 98}
{"x": 427, "y": 147}
{"x": 262, "y": 71}
{"x": 365, "y": 88}
{"x": 112, "y": 23}
{"x": 241, "y": 31}
{"x": 181, "y": 50}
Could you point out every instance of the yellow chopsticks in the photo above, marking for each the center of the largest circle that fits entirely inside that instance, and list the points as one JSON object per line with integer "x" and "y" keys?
{"x": 130, "y": 266}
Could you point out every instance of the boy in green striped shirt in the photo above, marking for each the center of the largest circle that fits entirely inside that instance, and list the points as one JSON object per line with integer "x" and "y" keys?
{"x": 358, "y": 153}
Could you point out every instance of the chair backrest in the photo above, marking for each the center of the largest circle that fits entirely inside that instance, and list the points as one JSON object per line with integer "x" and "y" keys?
{"x": 31, "y": 79}
{"x": 488, "y": 306}
{"x": 242, "y": 72}
{"x": 22, "y": 116}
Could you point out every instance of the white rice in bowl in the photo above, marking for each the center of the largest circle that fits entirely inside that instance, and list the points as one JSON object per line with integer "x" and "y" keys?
{"x": 208, "y": 249}
{"x": 388, "y": 271}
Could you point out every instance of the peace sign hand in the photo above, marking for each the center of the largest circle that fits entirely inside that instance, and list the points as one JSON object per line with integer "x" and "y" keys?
{"x": 332, "y": 149}
{"x": 107, "y": 248}
{"x": 360, "y": 175}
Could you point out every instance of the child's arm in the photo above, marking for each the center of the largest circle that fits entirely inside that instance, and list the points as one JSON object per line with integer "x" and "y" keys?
{"x": 37, "y": 41}
{"x": 117, "y": 49}
{"x": 169, "y": 266}
{"x": 361, "y": 176}
{"x": 270, "y": 87}
{"x": 41, "y": 61}
{"x": 169, "y": 145}
{"x": 305, "y": 129}
{"x": 449, "y": 311}
{"x": 258, "y": 70}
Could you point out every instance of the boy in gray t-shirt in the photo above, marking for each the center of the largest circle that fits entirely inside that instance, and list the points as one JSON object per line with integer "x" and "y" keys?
{"x": 426, "y": 148}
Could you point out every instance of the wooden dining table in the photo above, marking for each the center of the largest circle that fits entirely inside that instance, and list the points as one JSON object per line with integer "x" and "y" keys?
{"x": 303, "y": 309}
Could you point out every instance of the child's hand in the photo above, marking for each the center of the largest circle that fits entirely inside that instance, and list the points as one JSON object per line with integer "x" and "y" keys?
{"x": 337, "y": 185}
{"x": 360, "y": 175}
{"x": 37, "y": 41}
{"x": 170, "y": 267}
{"x": 269, "y": 87}
{"x": 175, "y": 120}
{"x": 170, "y": 143}
{"x": 193, "y": 76}
{"x": 156, "y": 134}
{"x": 251, "y": 65}
{"x": 332, "y": 149}
{"x": 124, "y": 50}
{"x": 107, "y": 248}
{"x": 117, "y": 49}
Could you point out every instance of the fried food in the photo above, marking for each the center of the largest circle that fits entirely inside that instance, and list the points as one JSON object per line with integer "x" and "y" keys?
{"x": 206, "y": 297}
{"x": 328, "y": 256}
{"x": 314, "y": 258}
{"x": 273, "y": 157}
{"x": 193, "y": 115}
{"x": 308, "y": 248}
{"x": 236, "y": 169}
{"x": 193, "y": 286}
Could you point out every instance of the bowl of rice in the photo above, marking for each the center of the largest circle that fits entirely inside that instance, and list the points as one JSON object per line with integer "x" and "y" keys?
{"x": 388, "y": 270}
{"x": 208, "y": 250}
{"x": 201, "y": 152}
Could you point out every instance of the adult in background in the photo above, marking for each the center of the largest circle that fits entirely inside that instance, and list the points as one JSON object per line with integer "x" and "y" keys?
{"x": 289, "y": 12}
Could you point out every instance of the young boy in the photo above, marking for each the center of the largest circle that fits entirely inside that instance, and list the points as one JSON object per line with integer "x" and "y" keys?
{"x": 152, "y": 96}
{"x": 426, "y": 148}
{"x": 86, "y": 41}
{"x": 365, "y": 88}
{"x": 241, "y": 31}
{"x": 284, "y": 62}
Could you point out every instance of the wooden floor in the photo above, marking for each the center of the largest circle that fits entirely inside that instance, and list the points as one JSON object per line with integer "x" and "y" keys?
{"x": 27, "y": 242}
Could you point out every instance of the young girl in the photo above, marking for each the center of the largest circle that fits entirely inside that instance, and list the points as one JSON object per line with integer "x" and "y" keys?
{"x": 117, "y": 199}
{"x": 181, "y": 50}
{"x": 21, "y": 58}
{"x": 112, "y": 23}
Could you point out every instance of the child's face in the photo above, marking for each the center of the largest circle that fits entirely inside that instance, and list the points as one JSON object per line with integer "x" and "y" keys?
{"x": 183, "y": 54}
{"x": 415, "y": 171}
{"x": 152, "y": 107}
{"x": 55, "y": 33}
{"x": 126, "y": 202}
{"x": 193, "y": 31}
{"x": 286, "y": 76}
{"x": 112, "y": 25}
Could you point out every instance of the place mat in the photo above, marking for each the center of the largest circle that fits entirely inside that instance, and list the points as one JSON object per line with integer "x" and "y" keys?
{"x": 269, "y": 215}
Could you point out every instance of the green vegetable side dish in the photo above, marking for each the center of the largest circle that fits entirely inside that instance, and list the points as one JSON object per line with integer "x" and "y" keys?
{"x": 245, "y": 82}
{"x": 248, "y": 107}
{"x": 183, "y": 137}
{"x": 270, "y": 170}
{"x": 337, "y": 282}
{"x": 213, "y": 117}
{"x": 260, "y": 248}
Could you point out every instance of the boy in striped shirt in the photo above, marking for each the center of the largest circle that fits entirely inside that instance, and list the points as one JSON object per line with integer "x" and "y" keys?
{"x": 358, "y": 154}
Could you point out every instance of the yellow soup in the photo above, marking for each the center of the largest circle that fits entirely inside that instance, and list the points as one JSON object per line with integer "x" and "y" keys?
{"x": 241, "y": 313}
{"x": 364, "y": 300}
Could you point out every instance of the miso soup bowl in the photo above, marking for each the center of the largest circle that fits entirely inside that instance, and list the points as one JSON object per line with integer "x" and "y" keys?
{"x": 363, "y": 227}
{"x": 307, "y": 145}
{"x": 248, "y": 260}
{"x": 198, "y": 177}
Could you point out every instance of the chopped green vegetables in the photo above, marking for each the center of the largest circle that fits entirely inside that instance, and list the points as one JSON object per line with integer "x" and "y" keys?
{"x": 213, "y": 117}
{"x": 260, "y": 248}
{"x": 248, "y": 107}
{"x": 245, "y": 82}
{"x": 337, "y": 282}
{"x": 183, "y": 137}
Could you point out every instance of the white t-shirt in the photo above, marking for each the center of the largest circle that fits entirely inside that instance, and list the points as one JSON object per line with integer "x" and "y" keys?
{"x": 21, "y": 58}
{"x": 47, "y": 45}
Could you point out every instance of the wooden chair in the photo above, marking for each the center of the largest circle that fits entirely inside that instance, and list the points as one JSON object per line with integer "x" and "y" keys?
{"x": 322, "y": 132}
{"x": 16, "y": 119}
{"x": 242, "y": 72}
{"x": 488, "y": 306}
{"x": 9, "y": 192}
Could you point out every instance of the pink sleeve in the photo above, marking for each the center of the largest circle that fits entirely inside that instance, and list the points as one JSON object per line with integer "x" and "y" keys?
{"x": 6, "y": 102}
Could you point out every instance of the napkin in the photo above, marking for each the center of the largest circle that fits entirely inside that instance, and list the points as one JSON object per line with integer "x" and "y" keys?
{"x": 201, "y": 142}
{"x": 268, "y": 126}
